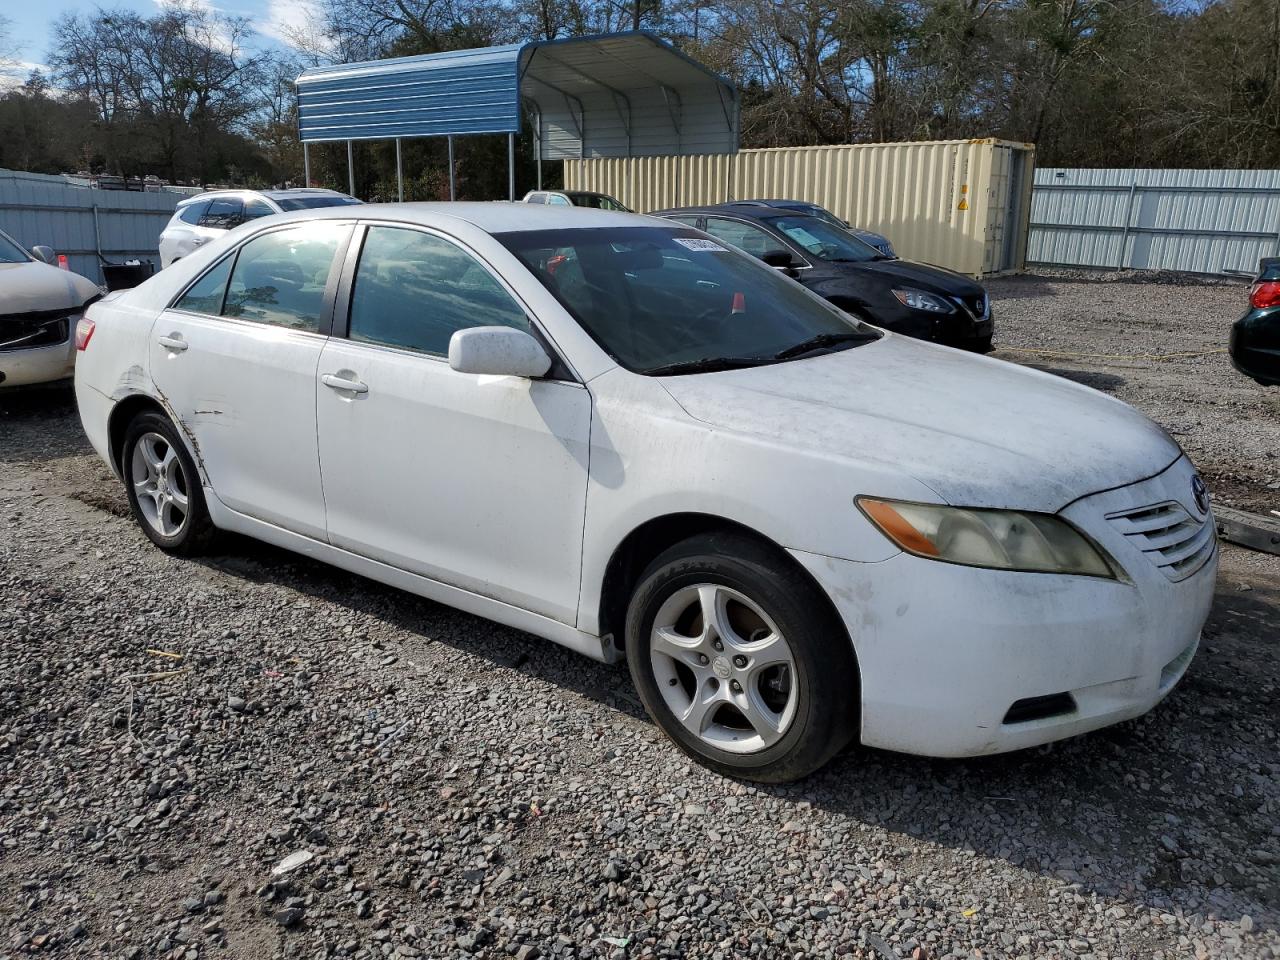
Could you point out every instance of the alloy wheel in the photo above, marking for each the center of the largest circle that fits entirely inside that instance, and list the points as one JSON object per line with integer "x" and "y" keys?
{"x": 160, "y": 484}
{"x": 724, "y": 668}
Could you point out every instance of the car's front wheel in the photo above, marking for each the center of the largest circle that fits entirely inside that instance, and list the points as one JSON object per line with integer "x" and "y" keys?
{"x": 738, "y": 658}
{"x": 163, "y": 486}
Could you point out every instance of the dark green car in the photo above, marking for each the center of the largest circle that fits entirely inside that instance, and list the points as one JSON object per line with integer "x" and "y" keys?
{"x": 1255, "y": 337}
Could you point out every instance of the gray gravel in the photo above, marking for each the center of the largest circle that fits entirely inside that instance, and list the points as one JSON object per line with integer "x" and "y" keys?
{"x": 464, "y": 790}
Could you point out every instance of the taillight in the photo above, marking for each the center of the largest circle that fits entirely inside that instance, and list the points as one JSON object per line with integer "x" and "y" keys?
{"x": 84, "y": 333}
{"x": 1265, "y": 293}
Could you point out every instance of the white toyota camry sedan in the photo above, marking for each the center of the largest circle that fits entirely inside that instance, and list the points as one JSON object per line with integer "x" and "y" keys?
{"x": 618, "y": 434}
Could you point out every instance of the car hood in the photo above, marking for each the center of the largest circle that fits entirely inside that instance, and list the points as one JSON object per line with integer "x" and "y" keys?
{"x": 978, "y": 432}
{"x": 931, "y": 278}
{"x": 35, "y": 287}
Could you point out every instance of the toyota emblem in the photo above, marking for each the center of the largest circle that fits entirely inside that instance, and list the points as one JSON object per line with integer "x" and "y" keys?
{"x": 1200, "y": 493}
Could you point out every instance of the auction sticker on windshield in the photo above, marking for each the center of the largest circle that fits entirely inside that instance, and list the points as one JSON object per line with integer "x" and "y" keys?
{"x": 697, "y": 243}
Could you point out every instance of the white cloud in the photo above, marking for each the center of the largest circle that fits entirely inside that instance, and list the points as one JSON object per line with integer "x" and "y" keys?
{"x": 295, "y": 23}
{"x": 14, "y": 73}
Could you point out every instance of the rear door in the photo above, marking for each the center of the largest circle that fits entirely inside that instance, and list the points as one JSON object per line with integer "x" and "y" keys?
{"x": 235, "y": 357}
{"x": 478, "y": 482}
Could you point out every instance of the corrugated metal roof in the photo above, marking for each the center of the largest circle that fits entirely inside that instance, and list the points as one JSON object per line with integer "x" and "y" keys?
{"x": 624, "y": 94}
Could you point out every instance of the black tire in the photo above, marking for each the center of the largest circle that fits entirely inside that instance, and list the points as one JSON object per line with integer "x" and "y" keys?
{"x": 195, "y": 533}
{"x": 825, "y": 677}
{"x": 984, "y": 344}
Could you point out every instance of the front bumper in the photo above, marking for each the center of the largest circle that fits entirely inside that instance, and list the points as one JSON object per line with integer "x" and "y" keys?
{"x": 21, "y": 368}
{"x": 945, "y": 652}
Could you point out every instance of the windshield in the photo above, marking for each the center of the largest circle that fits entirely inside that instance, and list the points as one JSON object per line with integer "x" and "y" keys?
{"x": 824, "y": 215}
{"x": 310, "y": 203}
{"x": 825, "y": 241}
{"x": 597, "y": 201}
{"x": 654, "y": 297}
{"x": 10, "y": 252}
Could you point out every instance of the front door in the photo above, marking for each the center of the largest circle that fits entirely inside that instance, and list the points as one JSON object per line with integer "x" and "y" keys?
{"x": 235, "y": 358}
{"x": 475, "y": 481}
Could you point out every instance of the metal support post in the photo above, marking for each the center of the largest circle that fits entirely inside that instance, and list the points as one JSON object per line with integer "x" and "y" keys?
{"x": 351, "y": 171}
{"x": 453, "y": 194}
{"x": 399, "y": 174}
{"x": 511, "y": 166}
{"x": 306, "y": 165}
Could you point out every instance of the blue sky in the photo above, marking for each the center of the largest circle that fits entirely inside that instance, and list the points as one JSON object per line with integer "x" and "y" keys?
{"x": 31, "y": 24}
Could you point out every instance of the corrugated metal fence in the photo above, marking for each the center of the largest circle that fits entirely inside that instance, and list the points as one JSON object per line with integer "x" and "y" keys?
{"x": 1200, "y": 221}
{"x": 957, "y": 203}
{"x": 81, "y": 222}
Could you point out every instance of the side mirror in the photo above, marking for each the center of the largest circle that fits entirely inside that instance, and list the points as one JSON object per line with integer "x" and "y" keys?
{"x": 779, "y": 259}
{"x": 497, "y": 351}
{"x": 44, "y": 254}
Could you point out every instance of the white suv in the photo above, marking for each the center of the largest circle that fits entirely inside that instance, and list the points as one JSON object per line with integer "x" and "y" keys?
{"x": 210, "y": 215}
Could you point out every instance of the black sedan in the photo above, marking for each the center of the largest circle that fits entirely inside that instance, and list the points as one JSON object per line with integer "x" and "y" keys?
{"x": 909, "y": 298}
{"x": 1255, "y": 337}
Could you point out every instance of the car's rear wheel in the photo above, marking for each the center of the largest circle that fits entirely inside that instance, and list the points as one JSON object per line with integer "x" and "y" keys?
{"x": 163, "y": 486}
{"x": 739, "y": 659}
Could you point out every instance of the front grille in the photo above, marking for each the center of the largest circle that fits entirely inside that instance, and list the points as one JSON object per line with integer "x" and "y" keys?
{"x": 24, "y": 331}
{"x": 976, "y": 304}
{"x": 1168, "y": 536}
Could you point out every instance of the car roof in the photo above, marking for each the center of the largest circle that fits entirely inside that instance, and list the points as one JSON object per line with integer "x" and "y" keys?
{"x": 747, "y": 211}
{"x": 492, "y": 217}
{"x": 273, "y": 194}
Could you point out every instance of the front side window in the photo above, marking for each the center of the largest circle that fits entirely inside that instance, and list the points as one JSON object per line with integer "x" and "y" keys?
{"x": 223, "y": 214}
{"x": 414, "y": 290}
{"x": 279, "y": 278}
{"x": 744, "y": 236}
{"x": 192, "y": 212}
{"x": 205, "y": 295}
{"x": 824, "y": 241}
{"x": 654, "y": 297}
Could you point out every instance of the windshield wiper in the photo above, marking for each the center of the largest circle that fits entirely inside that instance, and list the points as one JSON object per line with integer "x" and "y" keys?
{"x": 705, "y": 365}
{"x": 825, "y": 340}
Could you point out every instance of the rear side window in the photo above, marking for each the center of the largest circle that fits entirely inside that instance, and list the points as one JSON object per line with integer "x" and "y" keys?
{"x": 537, "y": 198}
{"x": 205, "y": 295}
{"x": 279, "y": 278}
{"x": 255, "y": 208}
{"x": 223, "y": 214}
{"x": 558, "y": 200}
{"x": 415, "y": 290}
{"x": 192, "y": 212}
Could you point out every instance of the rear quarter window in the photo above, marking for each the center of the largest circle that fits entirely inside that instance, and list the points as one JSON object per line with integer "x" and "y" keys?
{"x": 192, "y": 212}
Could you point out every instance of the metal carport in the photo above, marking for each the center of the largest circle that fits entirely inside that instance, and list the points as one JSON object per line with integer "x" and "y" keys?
{"x": 613, "y": 95}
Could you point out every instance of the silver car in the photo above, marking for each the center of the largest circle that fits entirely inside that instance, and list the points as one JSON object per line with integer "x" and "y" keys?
{"x": 40, "y": 307}
{"x": 209, "y": 215}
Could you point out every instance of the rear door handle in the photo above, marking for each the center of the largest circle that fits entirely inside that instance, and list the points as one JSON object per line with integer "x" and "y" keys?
{"x": 174, "y": 342}
{"x": 342, "y": 383}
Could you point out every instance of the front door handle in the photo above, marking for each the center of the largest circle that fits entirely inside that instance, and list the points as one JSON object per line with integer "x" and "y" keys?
{"x": 174, "y": 342}
{"x": 335, "y": 382}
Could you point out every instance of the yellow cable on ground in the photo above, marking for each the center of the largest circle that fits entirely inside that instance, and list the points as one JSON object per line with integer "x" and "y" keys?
{"x": 1065, "y": 354}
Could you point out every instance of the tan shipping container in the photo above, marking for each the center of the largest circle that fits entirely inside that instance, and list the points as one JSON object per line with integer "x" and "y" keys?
{"x": 961, "y": 204}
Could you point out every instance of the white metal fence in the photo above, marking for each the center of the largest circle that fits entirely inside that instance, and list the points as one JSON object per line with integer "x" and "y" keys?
{"x": 1199, "y": 221}
{"x": 85, "y": 224}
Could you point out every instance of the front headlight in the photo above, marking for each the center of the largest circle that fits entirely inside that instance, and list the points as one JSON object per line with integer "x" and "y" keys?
{"x": 996, "y": 539}
{"x": 919, "y": 300}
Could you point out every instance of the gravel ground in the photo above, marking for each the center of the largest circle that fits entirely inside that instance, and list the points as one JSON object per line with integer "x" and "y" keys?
{"x": 459, "y": 789}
